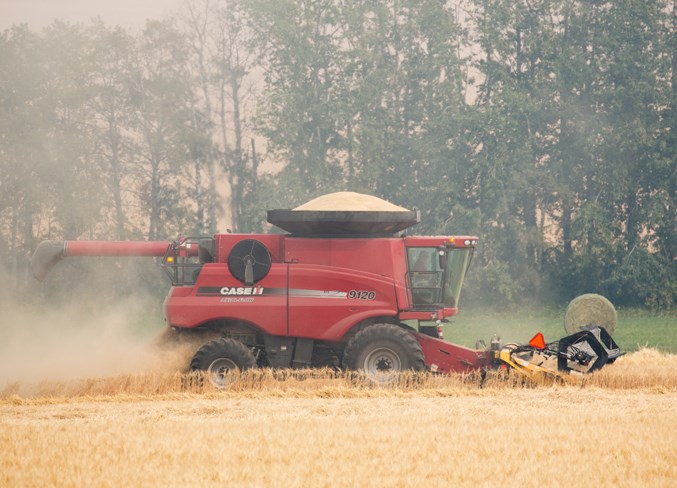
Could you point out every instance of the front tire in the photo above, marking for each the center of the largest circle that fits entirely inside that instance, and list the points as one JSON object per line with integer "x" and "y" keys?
{"x": 221, "y": 360}
{"x": 383, "y": 351}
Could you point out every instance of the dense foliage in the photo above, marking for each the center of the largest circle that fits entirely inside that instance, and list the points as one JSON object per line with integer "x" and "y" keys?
{"x": 545, "y": 127}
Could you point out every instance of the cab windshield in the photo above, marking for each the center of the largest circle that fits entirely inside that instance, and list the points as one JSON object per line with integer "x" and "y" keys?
{"x": 458, "y": 261}
{"x": 436, "y": 275}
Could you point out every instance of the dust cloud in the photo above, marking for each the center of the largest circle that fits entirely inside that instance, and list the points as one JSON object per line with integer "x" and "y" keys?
{"x": 80, "y": 341}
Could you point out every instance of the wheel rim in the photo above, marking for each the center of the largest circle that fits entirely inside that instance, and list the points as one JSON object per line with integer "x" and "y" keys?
{"x": 222, "y": 372}
{"x": 382, "y": 365}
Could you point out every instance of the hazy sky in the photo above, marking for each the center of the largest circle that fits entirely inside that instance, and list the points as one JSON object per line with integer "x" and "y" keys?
{"x": 39, "y": 13}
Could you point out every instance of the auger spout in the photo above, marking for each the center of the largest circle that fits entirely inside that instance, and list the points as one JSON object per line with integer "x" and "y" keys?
{"x": 48, "y": 253}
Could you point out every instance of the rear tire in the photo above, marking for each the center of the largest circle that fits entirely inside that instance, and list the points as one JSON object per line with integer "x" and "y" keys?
{"x": 221, "y": 360}
{"x": 383, "y": 351}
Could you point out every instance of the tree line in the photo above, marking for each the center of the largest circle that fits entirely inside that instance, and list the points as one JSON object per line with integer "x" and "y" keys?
{"x": 545, "y": 127}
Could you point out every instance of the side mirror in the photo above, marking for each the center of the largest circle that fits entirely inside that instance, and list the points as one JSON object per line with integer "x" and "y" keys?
{"x": 442, "y": 257}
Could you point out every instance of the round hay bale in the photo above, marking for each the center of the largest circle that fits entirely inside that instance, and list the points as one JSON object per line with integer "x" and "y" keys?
{"x": 350, "y": 201}
{"x": 590, "y": 309}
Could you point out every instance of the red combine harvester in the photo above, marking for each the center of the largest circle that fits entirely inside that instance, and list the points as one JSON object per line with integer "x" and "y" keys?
{"x": 341, "y": 289}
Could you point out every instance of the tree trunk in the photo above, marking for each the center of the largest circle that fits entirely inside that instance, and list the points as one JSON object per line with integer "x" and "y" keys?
{"x": 566, "y": 228}
{"x": 212, "y": 202}
{"x": 673, "y": 74}
{"x": 529, "y": 209}
{"x": 200, "y": 214}
{"x": 255, "y": 167}
{"x": 201, "y": 33}
{"x": 239, "y": 180}
{"x": 154, "y": 202}
{"x": 116, "y": 180}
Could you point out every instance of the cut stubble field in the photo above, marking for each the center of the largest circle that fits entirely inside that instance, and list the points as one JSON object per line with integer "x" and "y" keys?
{"x": 511, "y": 437}
{"x": 615, "y": 428}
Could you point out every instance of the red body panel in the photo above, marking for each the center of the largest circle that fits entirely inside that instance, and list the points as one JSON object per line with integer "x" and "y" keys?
{"x": 321, "y": 305}
{"x": 444, "y": 357}
{"x": 374, "y": 269}
{"x": 191, "y": 306}
{"x": 317, "y": 288}
{"x": 305, "y": 293}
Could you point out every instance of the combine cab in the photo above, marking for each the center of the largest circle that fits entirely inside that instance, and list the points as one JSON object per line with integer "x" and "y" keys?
{"x": 341, "y": 289}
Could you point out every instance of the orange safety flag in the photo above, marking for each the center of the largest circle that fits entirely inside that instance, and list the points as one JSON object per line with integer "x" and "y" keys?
{"x": 538, "y": 341}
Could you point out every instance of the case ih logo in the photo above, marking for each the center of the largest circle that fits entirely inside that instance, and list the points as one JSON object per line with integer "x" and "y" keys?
{"x": 247, "y": 290}
{"x": 255, "y": 291}
{"x": 230, "y": 291}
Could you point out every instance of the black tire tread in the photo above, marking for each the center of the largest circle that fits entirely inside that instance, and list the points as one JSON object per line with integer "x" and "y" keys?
{"x": 223, "y": 347}
{"x": 379, "y": 332}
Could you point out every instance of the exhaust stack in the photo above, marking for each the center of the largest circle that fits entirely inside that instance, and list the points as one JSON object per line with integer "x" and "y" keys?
{"x": 48, "y": 253}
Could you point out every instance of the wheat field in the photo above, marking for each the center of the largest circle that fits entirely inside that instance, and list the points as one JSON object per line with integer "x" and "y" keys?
{"x": 318, "y": 428}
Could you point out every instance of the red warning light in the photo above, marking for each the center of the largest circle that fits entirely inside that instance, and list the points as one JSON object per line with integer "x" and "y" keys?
{"x": 538, "y": 341}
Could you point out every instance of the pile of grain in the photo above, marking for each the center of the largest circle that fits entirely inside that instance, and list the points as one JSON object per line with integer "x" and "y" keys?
{"x": 348, "y": 201}
{"x": 646, "y": 369}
